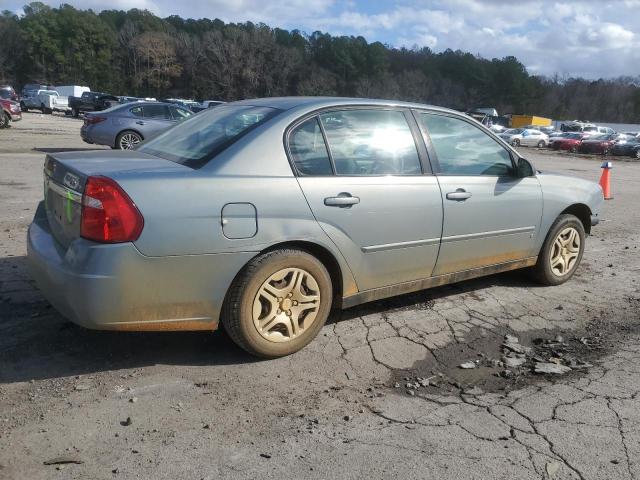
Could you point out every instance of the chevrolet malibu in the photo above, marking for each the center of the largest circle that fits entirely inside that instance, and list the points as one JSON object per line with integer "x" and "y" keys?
{"x": 261, "y": 215}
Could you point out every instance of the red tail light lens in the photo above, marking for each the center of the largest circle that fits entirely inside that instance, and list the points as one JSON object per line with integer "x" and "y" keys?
{"x": 108, "y": 214}
{"x": 92, "y": 120}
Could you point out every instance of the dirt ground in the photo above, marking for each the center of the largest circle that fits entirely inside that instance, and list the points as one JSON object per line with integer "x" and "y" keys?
{"x": 379, "y": 394}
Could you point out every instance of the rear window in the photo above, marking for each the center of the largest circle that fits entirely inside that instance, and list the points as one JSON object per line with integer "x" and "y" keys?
{"x": 201, "y": 137}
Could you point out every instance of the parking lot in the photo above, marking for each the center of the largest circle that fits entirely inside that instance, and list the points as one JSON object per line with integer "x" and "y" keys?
{"x": 379, "y": 394}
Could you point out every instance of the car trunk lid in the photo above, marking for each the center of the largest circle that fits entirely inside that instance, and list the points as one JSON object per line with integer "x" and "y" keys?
{"x": 65, "y": 177}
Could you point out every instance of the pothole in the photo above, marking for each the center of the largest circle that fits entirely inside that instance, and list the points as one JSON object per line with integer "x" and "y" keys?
{"x": 501, "y": 360}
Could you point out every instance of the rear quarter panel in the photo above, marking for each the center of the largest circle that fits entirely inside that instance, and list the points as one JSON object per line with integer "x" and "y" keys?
{"x": 183, "y": 211}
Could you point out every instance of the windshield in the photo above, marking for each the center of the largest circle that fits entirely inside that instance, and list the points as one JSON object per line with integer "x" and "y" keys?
{"x": 5, "y": 94}
{"x": 200, "y": 138}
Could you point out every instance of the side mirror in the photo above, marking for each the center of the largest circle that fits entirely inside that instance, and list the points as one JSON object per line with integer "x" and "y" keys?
{"x": 524, "y": 168}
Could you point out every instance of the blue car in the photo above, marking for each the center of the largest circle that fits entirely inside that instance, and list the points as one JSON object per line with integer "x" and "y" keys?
{"x": 125, "y": 126}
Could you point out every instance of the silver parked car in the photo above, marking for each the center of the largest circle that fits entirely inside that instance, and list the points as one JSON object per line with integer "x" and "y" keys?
{"x": 125, "y": 126}
{"x": 261, "y": 215}
{"x": 526, "y": 137}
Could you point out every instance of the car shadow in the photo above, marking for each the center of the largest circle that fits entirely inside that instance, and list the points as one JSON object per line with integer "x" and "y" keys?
{"x": 424, "y": 299}
{"x": 36, "y": 342}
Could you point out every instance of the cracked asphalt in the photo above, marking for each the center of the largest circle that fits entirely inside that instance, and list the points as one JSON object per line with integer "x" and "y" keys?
{"x": 193, "y": 406}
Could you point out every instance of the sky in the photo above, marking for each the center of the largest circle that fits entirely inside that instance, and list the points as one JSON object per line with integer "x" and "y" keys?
{"x": 587, "y": 38}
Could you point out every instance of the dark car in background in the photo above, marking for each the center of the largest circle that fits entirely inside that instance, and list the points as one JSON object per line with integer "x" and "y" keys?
{"x": 92, "y": 102}
{"x": 601, "y": 144}
{"x": 9, "y": 112}
{"x": 631, "y": 148}
{"x": 8, "y": 93}
{"x": 125, "y": 126}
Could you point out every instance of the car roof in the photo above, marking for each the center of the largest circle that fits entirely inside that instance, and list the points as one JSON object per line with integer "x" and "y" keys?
{"x": 288, "y": 103}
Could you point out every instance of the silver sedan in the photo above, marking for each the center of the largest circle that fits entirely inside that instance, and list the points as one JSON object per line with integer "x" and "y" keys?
{"x": 525, "y": 136}
{"x": 261, "y": 215}
{"x": 125, "y": 126}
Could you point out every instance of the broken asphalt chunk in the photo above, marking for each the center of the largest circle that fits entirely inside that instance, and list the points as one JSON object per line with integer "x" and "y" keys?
{"x": 552, "y": 368}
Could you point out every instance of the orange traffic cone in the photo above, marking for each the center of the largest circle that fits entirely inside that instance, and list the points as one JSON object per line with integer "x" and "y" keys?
{"x": 605, "y": 180}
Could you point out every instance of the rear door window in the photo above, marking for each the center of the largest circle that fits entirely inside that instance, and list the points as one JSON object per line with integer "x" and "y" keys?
{"x": 137, "y": 112}
{"x": 371, "y": 142}
{"x": 308, "y": 150}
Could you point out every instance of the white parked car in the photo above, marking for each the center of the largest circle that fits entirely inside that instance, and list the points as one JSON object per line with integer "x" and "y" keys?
{"x": 47, "y": 101}
{"x": 525, "y": 136}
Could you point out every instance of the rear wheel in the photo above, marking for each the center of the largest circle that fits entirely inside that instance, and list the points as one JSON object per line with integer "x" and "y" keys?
{"x": 637, "y": 154}
{"x": 562, "y": 251}
{"x": 278, "y": 303}
{"x": 4, "y": 120}
{"x": 23, "y": 107}
{"x": 541, "y": 144}
{"x": 573, "y": 149}
{"x": 75, "y": 112}
{"x": 127, "y": 140}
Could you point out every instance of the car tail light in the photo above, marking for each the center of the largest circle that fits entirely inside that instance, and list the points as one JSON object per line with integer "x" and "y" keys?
{"x": 108, "y": 214}
{"x": 92, "y": 120}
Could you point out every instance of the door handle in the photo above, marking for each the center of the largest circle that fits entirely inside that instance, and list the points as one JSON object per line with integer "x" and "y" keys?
{"x": 460, "y": 195}
{"x": 343, "y": 200}
{"x": 140, "y": 122}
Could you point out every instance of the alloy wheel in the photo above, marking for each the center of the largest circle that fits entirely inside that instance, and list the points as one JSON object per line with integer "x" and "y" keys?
{"x": 565, "y": 252}
{"x": 128, "y": 141}
{"x": 286, "y": 305}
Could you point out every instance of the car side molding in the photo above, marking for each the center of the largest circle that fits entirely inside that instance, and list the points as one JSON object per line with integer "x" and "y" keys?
{"x": 429, "y": 282}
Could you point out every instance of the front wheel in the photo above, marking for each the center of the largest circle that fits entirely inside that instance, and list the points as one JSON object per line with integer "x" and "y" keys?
{"x": 4, "y": 120}
{"x": 128, "y": 140}
{"x": 515, "y": 142}
{"x": 23, "y": 107}
{"x": 573, "y": 149}
{"x": 75, "y": 112}
{"x": 562, "y": 251}
{"x": 278, "y": 303}
{"x": 541, "y": 144}
{"x": 637, "y": 154}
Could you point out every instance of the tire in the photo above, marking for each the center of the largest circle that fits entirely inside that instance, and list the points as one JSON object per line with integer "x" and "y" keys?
{"x": 573, "y": 149}
{"x": 541, "y": 144}
{"x": 75, "y": 112}
{"x": 5, "y": 120}
{"x": 23, "y": 107}
{"x": 637, "y": 154}
{"x": 567, "y": 228}
{"x": 515, "y": 142}
{"x": 127, "y": 140}
{"x": 264, "y": 324}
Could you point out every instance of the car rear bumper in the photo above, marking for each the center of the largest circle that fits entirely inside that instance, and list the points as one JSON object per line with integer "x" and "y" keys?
{"x": 115, "y": 287}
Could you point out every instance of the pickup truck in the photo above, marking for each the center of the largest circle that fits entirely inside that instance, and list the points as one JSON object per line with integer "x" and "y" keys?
{"x": 91, "y": 102}
{"x": 47, "y": 101}
{"x": 9, "y": 112}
